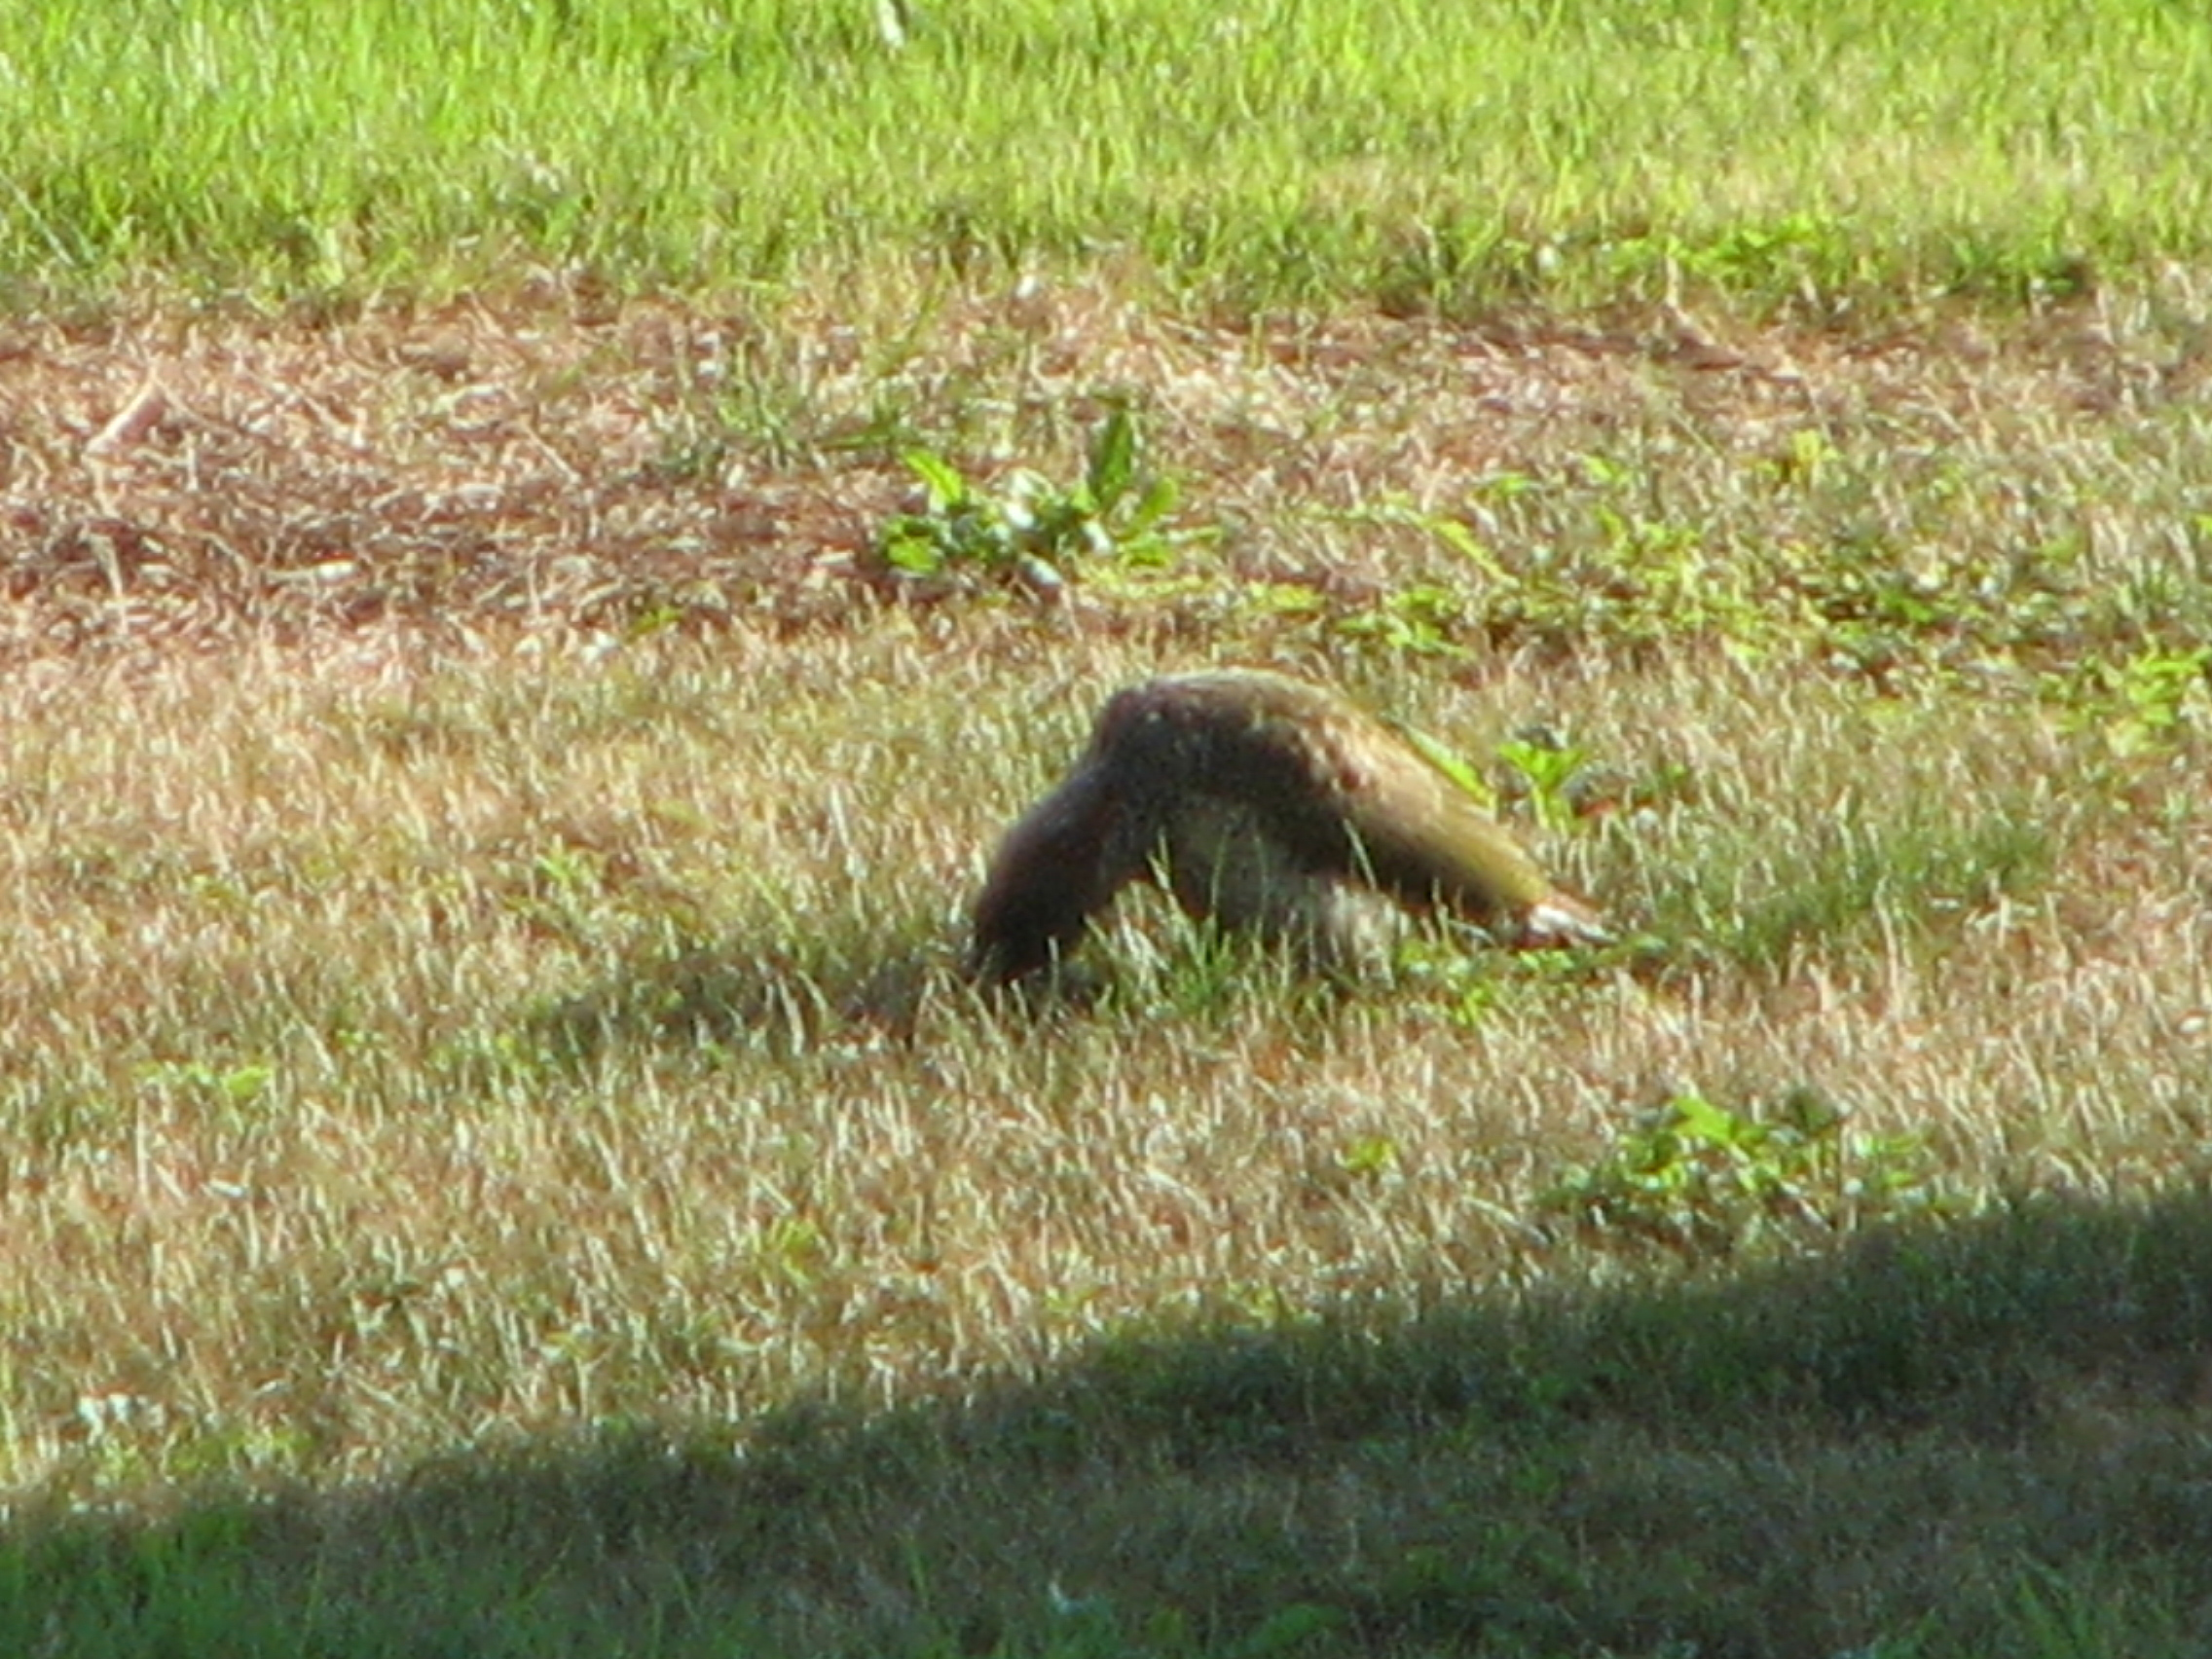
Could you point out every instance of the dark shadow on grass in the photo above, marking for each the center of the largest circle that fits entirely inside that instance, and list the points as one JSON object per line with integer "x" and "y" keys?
{"x": 783, "y": 994}
{"x": 787, "y": 995}
{"x": 1937, "y": 1442}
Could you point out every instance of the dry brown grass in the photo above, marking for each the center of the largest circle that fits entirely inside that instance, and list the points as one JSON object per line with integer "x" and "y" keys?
{"x": 573, "y": 461}
{"x": 483, "y": 860}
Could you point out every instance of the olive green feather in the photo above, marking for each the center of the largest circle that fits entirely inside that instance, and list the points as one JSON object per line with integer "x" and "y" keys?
{"x": 1267, "y": 803}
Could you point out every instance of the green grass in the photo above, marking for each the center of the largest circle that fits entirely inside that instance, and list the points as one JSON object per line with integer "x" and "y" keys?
{"x": 1949, "y": 1444}
{"x": 1250, "y": 155}
{"x": 496, "y": 1154}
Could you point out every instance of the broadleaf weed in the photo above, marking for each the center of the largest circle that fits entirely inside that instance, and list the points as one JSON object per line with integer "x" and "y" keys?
{"x": 1031, "y": 529}
{"x": 1708, "y": 1179}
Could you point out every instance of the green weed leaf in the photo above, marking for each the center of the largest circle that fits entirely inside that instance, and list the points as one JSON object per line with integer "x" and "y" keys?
{"x": 1030, "y": 532}
{"x": 1113, "y": 461}
{"x": 949, "y": 491}
{"x": 1703, "y": 1177}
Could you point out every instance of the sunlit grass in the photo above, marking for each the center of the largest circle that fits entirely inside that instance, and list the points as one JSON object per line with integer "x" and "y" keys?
{"x": 1251, "y": 154}
{"x": 503, "y": 1046}
{"x": 498, "y": 1159}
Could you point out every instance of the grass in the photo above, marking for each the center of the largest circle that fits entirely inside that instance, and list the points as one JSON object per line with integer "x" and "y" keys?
{"x": 499, "y": 1159}
{"x": 496, "y": 1154}
{"x": 1256, "y": 156}
{"x": 499, "y": 1162}
{"x": 1863, "y": 1456}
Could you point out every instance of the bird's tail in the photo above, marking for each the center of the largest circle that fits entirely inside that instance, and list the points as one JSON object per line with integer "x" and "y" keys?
{"x": 1560, "y": 919}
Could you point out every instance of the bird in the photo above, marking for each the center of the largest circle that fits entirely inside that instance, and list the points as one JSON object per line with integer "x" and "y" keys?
{"x": 1270, "y": 805}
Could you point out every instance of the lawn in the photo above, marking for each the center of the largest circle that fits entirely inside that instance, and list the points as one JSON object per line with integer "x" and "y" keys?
{"x": 1248, "y": 154}
{"x": 514, "y": 656}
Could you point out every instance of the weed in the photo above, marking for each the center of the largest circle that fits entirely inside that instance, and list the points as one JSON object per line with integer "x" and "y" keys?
{"x": 1423, "y": 619}
{"x": 1708, "y": 1181}
{"x": 232, "y": 1087}
{"x": 1032, "y": 531}
{"x": 1548, "y": 772}
{"x": 2147, "y": 704}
